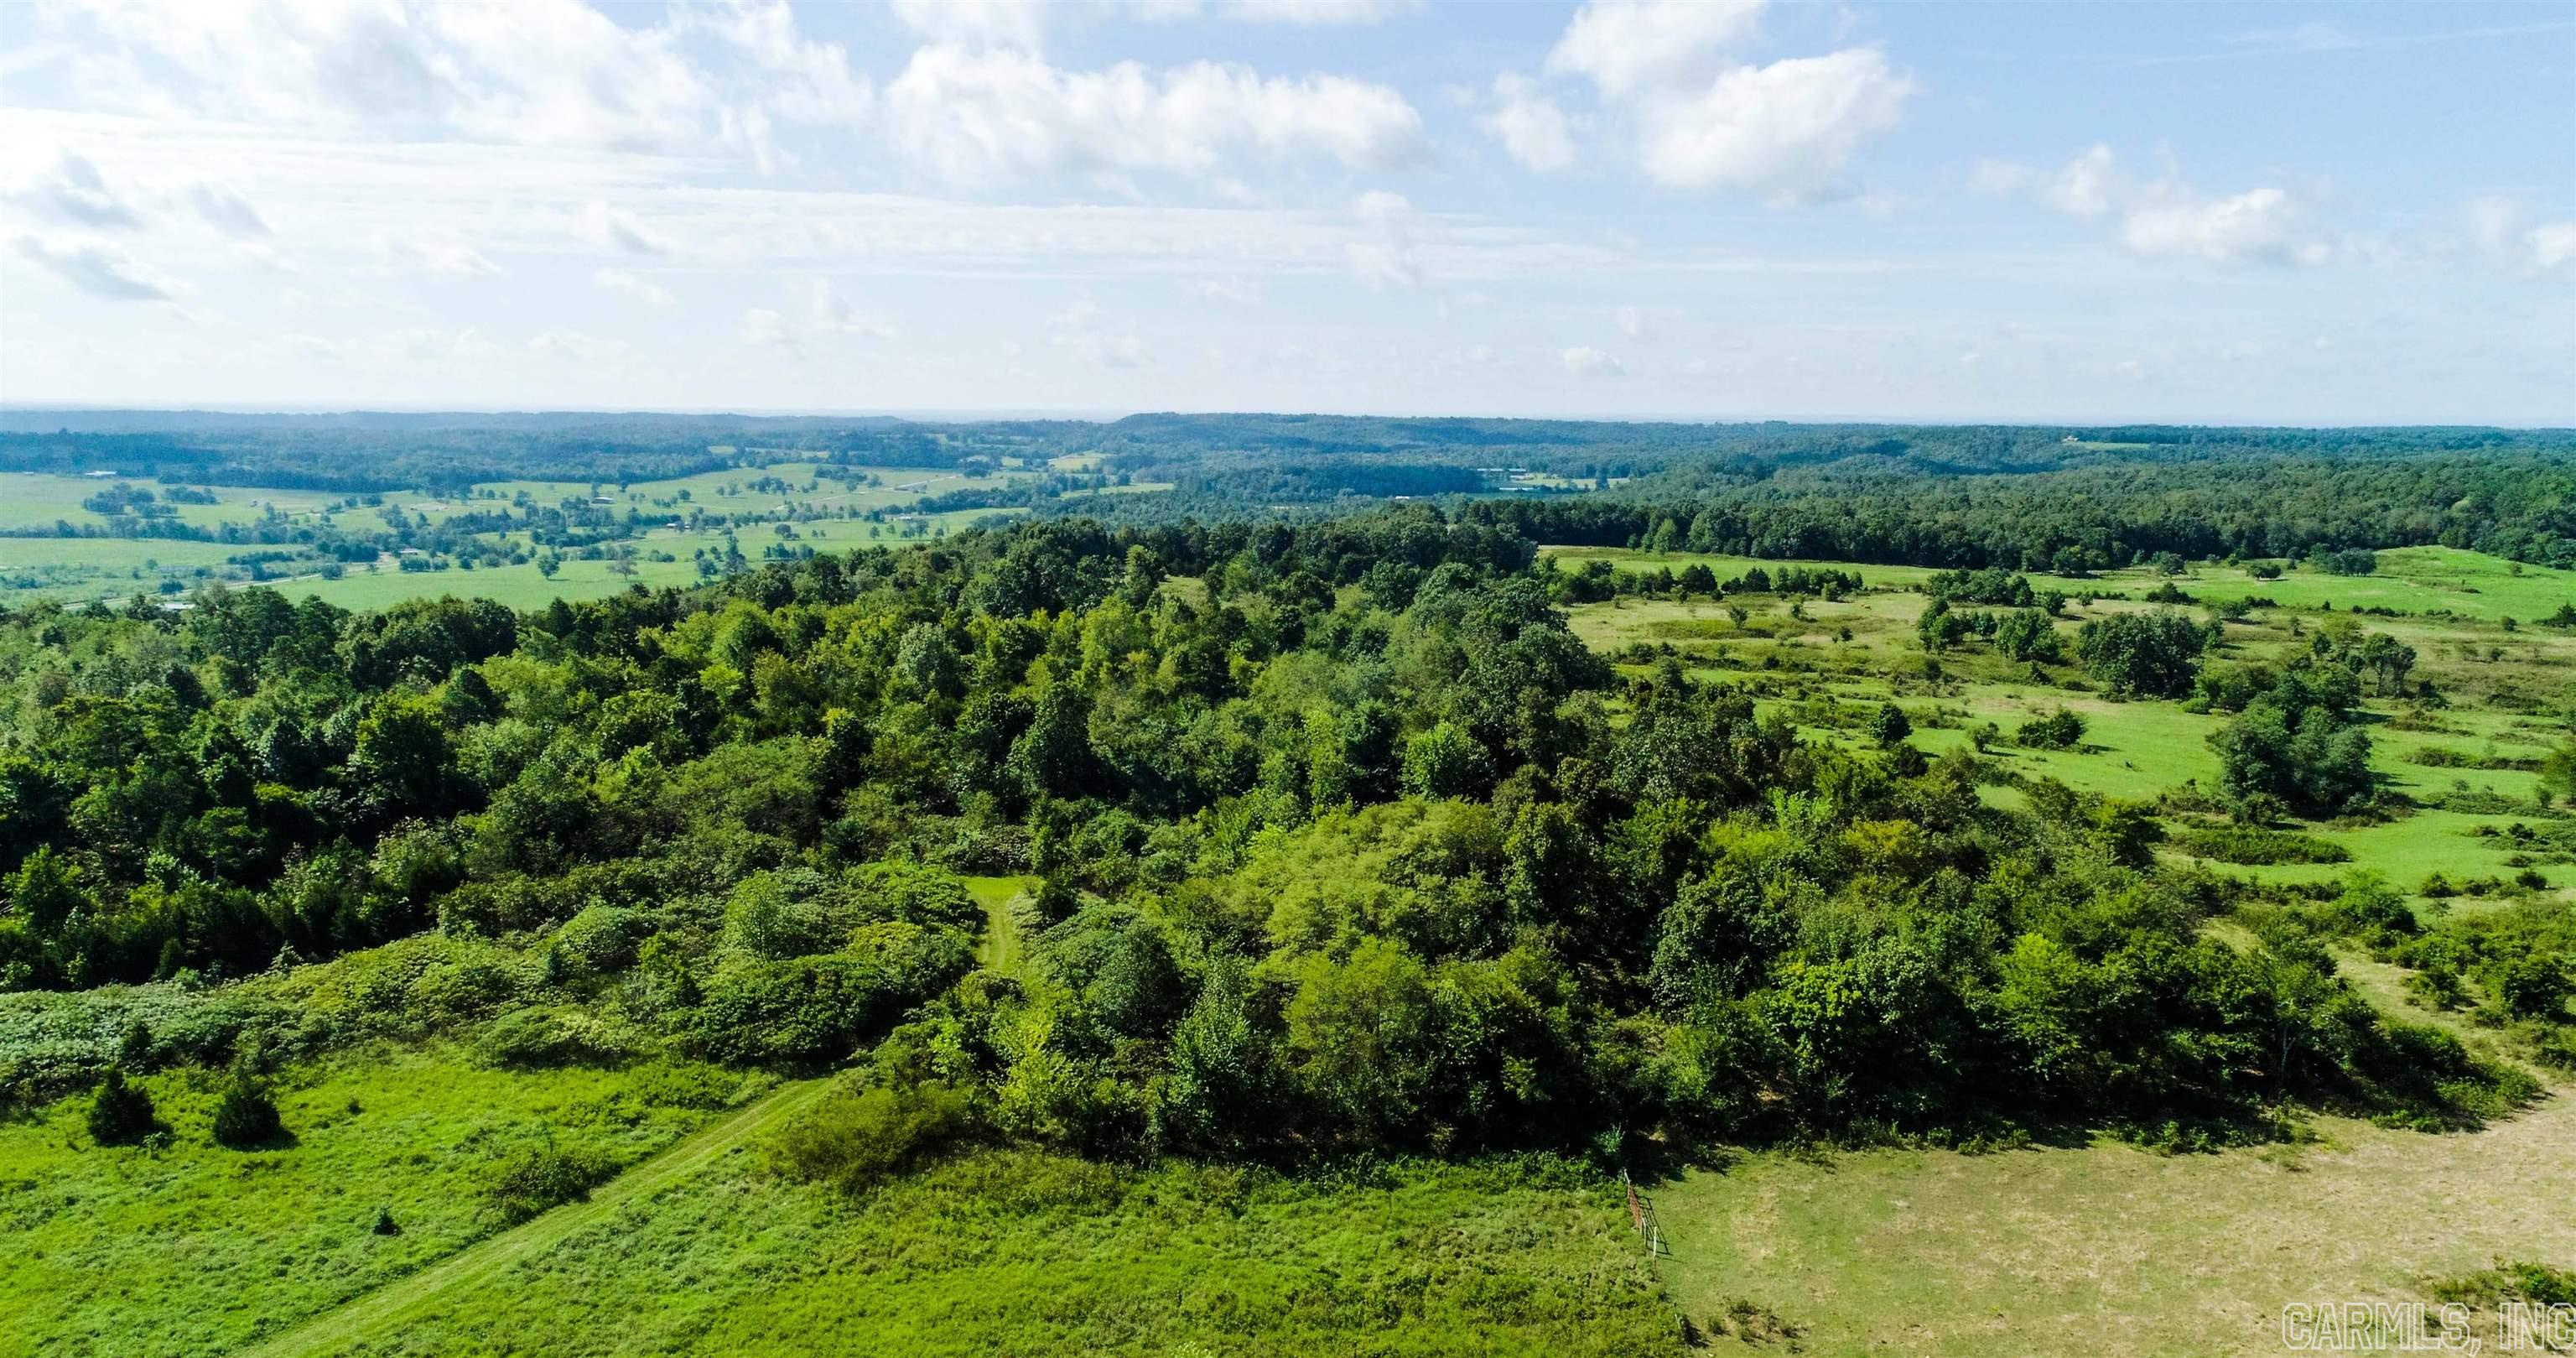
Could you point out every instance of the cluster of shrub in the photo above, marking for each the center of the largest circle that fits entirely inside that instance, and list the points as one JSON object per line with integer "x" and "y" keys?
{"x": 1597, "y": 580}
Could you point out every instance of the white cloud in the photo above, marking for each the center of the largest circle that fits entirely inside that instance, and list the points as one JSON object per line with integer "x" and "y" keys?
{"x": 1785, "y": 130}
{"x": 1632, "y": 322}
{"x": 2553, "y": 244}
{"x": 1629, "y": 46}
{"x": 96, "y": 270}
{"x": 1008, "y": 23}
{"x": 1230, "y": 291}
{"x": 827, "y": 314}
{"x": 1023, "y": 24}
{"x": 612, "y": 229}
{"x": 763, "y": 328}
{"x": 1529, "y": 124}
{"x": 972, "y": 116}
{"x": 2264, "y": 225}
{"x": 800, "y": 80}
{"x": 627, "y": 284}
{"x": 821, "y": 314}
{"x": 73, "y": 191}
{"x": 1384, "y": 257}
{"x": 2500, "y": 232}
{"x": 2086, "y": 186}
{"x": 1585, "y": 361}
{"x": 1316, "y": 12}
{"x": 530, "y": 72}
{"x": 576, "y": 345}
{"x": 446, "y": 258}
{"x": 1085, "y": 331}
{"x": 2169, "y": 218}
{"x": 227, "y": 211}
{"x": 539, "y": 71}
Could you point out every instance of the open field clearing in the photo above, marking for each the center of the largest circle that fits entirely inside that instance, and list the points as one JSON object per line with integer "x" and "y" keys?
{"x": 116, "y": 568}
{"x": 2108, "y": 1249}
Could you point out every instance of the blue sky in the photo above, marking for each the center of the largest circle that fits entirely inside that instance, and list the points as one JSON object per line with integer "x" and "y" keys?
{"x": 1729, "y": 209}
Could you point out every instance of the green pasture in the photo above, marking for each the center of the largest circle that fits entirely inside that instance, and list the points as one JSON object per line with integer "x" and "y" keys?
{"x": 190, "y": 1248}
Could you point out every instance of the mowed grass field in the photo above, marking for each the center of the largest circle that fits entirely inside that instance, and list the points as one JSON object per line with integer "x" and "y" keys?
{"x": 2109, "y": 1250}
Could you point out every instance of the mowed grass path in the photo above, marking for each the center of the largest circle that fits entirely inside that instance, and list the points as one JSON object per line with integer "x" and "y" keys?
{"x": 1001, "y": 947}
{"x": 1016, "y": 1252}
{"x": 191, "y": 1249}
{"x": 429, "y": 1289}
{"x": 2109, "y": 1250}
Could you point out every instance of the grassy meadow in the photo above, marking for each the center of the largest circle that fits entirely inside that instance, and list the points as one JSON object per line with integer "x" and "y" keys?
{"x": 2470, "y": 777}
{"x": 116, "y": 568}
{"x": 187, "y": 1247}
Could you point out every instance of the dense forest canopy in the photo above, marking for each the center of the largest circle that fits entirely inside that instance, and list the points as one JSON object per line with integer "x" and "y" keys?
{"x": 1344, "y": 841}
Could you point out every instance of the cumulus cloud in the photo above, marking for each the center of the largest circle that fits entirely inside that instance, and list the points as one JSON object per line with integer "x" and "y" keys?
{"x": 1628, "y": 47}
{"x": 73, "y": 191}
{"x": 977, "y": 116}
{"x": 2168, "y": 218}
{"x": 2500, "y": 232}
{"x": 1585, "y": 361}
{"x": 2553, "y": 245}
{"x": 763, "y": 328}
{"x": 2265, "y": 225}
{"x": 1785, "y": 130}
{"x": 627, "y": 284}
{"x": 1383, "y": 256}
{"x": 227, "y": 211}
{"x": 95, "y": 270}
{"x": 1529, "y": 124}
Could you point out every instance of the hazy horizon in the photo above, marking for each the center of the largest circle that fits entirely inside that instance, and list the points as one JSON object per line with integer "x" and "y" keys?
{"x": 1111, "y": 416}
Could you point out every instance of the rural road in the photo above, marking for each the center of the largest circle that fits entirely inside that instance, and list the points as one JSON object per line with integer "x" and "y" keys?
{"x": 335, "y": 1329}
